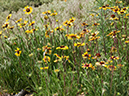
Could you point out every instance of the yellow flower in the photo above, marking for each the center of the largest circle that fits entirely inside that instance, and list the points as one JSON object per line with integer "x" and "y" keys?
{"x": 56, "y": 60}
{"x": 22, "y": 24}
{"x": 86, "y": 65}
{"x": 127, "y": 41}
{"x": 34, "y": 29}
{"x": 92, "y": 15}
{"x": 18, "y": 52}
{"x": 45, "y": 17}
{"x": 113, "y": 33}
{"x": 84, "y": 24}
{"x": 85, "y": 31}
{"x": 46, "y": 59}
{"x": 29, "y": 31}
{"x": 62, "y": 47}
{"x": 78, "y": 44}
{"x": 46, "y": 26}
{"x": 114, "y": 57}
{"x": 57, "y": 55}
{"x": 112, "y": 24}
{"x": 103, "y": 7}
{"x": 66, "y": 57}
{"x": 5, "y": 37}
{"x": 58, "y": 28}
{"x": 43, "y": 68}
{"x": 62, "y": 57}
{"x": 8, "y": 17}
{"x": 101, "y": 63}
{"x": 56, "y": 70}
{"x": 46, "y": 49}
{"x": 65, "y": 23}
{"x": 94, "y": 36}
{"x": 86, "y": 55}
{"x": 19, "y": 20}
{"x": 121, "y": 12}
{"x": 28, "y": 10}
{"x": 81, "y": 34}
{"x": 0, "y": 33}
{"x": 11, "y": 27}
{"x": 48, "y": 32}
{"x": 127, "y": 15}
{"x": 115, "y": 9}
{"x": 57, "y": 20}
{"x": 72, "y": 36}
{"x": 32, "y": 23}
{"x": 69, "y": 24}
{"x": 47, "y": 12}
{"x": 96, "y": 24}
{"x": 6, "y": 25}
{"x": 53, "y": 14}
{"x": 72, "y": 19}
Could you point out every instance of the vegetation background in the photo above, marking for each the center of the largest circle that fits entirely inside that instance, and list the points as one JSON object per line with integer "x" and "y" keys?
{"x": 71, "y": 8}
{"x": 99, "y": 82}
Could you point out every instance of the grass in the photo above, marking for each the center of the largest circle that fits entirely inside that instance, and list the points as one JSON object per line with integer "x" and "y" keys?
{"x": 72, "y": 53}
{"x": 15, "y": 5}
{"x": 65, "y": 11}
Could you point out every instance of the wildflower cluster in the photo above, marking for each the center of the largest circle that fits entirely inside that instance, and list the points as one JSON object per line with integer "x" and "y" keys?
{"x": 58, "y": 57}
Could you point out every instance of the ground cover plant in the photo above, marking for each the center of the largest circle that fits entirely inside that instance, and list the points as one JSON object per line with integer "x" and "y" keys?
{"x": 63, "y": 59}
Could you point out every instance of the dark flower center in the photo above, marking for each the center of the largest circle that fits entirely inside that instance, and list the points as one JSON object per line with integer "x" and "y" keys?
{"x": 113, "y": 16}
{"x": 124, "y": 9}
{"x": 6, "y": 25}
{"x": 71, "y": 20}
{"x": 112, "y": 67}
{"x": 73, "y": 36}
{"x": 93, "y": 34}
{"x": 121, "y": 12}
{"x": 28, "y": 10}
{"x": 103, "y": 6}
{"x": 18, "y": 52}
{"x": 34, "y": 29}
{"x": 62, "y": 46}
{"x": 68, "y": 24}
{"x": 95, "y": 24}
{"x": 83, "y": 23}
{"x": 107, "y": 5}
{"x": 8, "y": 17}
{"x": 84, "y": 30}
{"x": 23, "y": 24}
{"x": 86, "y": 65}
{"x": 98, "y": 55}
{"x": 86, "y": 55}
{"x": 101, "y": 62}
{"x": 116, "y": 10}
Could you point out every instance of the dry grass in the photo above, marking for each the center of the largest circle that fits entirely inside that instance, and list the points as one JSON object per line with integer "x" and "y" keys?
{"x": 71, "y": 8}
